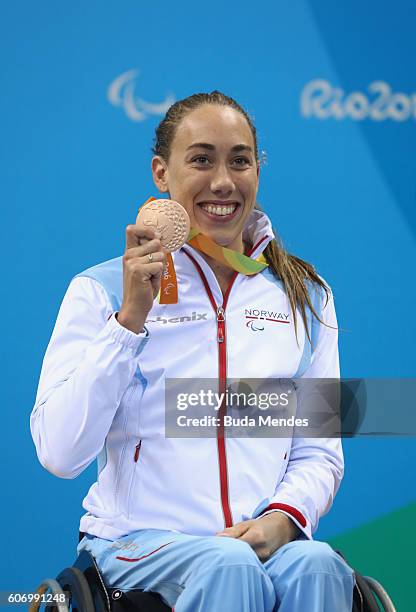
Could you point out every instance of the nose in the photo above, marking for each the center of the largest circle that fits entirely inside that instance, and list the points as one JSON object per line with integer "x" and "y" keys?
{"x": 221, "y": 181}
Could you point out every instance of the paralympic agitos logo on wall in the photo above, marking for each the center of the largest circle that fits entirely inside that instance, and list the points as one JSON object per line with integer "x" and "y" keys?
{"x": 258, "y": 320}
{"x": 123, "y": 92}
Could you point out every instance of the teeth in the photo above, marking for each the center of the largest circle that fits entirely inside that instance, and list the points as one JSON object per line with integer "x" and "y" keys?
{"x": 221, "y": 211}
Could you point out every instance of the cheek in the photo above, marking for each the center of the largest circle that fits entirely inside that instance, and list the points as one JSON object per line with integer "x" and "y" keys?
{"x": 188, "y": 185}
{"x": 189, "y": 191}
{"x": 248, "y": 184}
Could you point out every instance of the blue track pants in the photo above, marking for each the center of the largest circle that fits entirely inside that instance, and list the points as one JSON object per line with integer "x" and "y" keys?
{"x": 214, "y": 573}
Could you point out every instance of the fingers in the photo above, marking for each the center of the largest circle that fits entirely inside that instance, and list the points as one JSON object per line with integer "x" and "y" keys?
{"x": 153, "y": 257}
{"x": 134, "y": 264}
{"x": 134, "y": 235}
{"x": 154, "y": 269}
{"x": 150, "y": 246}
{"x": 144, "y": 269}
{"x": 248, "y": 532}
{"x": 147, "y": 253}
{"x": 252, "y": 537}
{"x": 251, "y": 533}
{"x": 236, "y": 531}
{"x": 143, "y": 263}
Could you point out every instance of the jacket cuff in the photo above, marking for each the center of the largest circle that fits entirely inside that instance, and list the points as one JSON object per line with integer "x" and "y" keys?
{"x": 124, "y": 336}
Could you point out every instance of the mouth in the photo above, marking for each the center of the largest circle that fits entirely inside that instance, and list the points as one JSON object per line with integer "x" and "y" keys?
{"x": 220, "y": 211}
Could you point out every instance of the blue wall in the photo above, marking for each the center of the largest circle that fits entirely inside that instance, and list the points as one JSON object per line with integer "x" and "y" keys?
{"x": 339, "y": 185}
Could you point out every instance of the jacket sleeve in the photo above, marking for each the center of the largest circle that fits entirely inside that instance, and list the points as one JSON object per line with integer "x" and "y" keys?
{"x": 88, "y": 365}
{"x": 316, "y": 465}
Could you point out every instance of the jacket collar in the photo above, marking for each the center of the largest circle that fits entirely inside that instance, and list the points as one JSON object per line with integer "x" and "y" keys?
{"x": 258, "y": 232}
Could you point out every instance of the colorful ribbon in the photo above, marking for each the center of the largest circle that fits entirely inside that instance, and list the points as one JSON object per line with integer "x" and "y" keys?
{"x": 233, "y": 259}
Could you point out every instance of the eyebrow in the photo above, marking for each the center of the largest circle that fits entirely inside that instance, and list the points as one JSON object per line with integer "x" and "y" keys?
{"x": 211, "y": 147}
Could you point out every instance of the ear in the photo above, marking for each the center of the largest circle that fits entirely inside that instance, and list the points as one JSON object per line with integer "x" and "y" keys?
{"x": 160, "y": 173}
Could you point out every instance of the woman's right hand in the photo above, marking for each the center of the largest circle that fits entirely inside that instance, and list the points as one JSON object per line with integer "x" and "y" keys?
{"x": 141, "y": 276}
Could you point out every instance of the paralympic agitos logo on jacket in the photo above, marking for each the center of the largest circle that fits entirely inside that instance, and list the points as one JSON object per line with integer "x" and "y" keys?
{"x": 258, "y": 320}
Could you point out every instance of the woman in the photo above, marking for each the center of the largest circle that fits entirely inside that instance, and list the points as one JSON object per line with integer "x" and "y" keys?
{"x": 209, "y": 523}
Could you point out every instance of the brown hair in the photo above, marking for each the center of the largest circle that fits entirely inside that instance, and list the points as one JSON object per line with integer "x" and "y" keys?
{"x": 294, "y": 273}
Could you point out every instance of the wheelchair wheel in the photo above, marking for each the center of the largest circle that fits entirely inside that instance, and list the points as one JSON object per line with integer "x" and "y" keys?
{"x": 54, "y": 588}
{"x": 381, "y": 593}
{"x": 73, "y": 581}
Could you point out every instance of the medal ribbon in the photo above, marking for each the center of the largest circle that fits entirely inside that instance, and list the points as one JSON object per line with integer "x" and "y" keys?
{"x": 233, "y": 259}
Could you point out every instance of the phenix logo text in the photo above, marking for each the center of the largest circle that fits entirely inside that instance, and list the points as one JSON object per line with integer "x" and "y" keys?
{"x": 195, "y": 316}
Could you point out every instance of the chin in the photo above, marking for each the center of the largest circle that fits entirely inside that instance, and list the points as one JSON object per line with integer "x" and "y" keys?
{"x": 224, "y": 241}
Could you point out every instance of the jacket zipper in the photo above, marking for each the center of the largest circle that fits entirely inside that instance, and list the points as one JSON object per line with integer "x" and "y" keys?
{"x": 222, "y": 369}
{"x": 221, "y": 324}
{"x": 222, "y": 451}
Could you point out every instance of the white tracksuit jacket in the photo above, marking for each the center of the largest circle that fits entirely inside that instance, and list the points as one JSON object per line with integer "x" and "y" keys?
{"x": 101, "y": 395}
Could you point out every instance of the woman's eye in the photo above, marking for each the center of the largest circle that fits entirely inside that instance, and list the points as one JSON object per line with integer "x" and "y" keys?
{"x": 241, "y": 161}
{"x": 201, "y": 159}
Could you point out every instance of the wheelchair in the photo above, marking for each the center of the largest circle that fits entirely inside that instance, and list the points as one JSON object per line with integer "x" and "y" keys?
{"x": 81, "y": 588}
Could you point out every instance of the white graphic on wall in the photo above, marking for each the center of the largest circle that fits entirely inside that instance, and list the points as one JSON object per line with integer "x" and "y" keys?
{"x": 122, "y": 92}
{"x": 322, "y": 100}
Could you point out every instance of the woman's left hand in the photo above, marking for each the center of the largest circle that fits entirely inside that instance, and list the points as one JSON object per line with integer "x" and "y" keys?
{"x": 265, "y": 535}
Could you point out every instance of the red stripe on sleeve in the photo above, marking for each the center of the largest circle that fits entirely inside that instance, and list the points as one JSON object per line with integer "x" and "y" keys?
{"x": 290, "y": 510}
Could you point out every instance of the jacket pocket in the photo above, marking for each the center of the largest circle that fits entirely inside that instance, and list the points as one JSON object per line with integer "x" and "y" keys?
{"x": 136, "y": 467}
{"x": 125, "y": 431}
{"x": 285, "y": 461}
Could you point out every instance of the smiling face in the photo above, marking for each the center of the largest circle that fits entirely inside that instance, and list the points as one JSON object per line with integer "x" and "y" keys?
{"x": 212, "y": 171}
